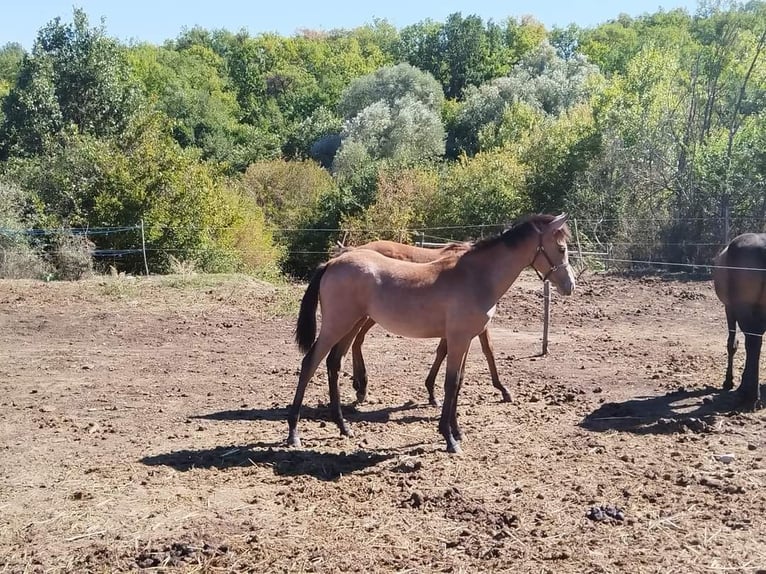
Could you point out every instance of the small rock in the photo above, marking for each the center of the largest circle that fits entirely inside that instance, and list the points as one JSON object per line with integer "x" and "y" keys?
{"x": 724, "y": 458}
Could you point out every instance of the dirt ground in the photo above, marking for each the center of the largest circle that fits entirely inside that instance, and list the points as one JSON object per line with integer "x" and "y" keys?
{"x": 142, "y": 428}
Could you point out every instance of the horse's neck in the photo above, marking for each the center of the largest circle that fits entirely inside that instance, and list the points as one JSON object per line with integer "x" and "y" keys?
{"x": 500, "y": 265}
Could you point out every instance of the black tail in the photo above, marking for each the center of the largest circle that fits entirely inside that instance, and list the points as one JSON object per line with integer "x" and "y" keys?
{"x": 306, "y": 328}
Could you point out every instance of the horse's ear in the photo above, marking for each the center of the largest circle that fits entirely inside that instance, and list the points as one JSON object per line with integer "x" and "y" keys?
{"x": 558, "y": 222}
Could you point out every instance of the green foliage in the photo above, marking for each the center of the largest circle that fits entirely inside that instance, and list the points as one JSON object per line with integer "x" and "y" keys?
{"x": 191, "y": 88}
{"x": 394, "y": 117}
{"x": 11, "y": 56}
{"x": 187, "y": 208}
{"x": 487, "y": 189}
{"x": 401, "y": 204}
{"x": 288, "y": 192}
{"x": 279, "y": 82}
{"x": 19, "y": 258}
{"x": 303, "y": 141}
{"x": 540, "y": 81}
{"x": 664, "y": 142}
{"x": 389, "y": 85}
{"x": 313, "y": 241}
{"x": 76, "y": 77}
{"x": 557, "y": 152}
{"x": 464, "y": 51}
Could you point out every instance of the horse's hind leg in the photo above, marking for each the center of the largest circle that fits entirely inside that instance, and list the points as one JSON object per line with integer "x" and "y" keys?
{"x": 489, "y": 353}
{"x": 750, "y": 388}
{"x": 327, "y": 339}
{"x": 441, "y": 352}
{"x": 360, "y": 370}
{"x": 731, "y": 348}
{"x": 333, "y": 369}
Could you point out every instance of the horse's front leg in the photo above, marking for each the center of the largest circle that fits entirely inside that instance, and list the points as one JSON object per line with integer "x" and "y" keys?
{"x": 456, "y": 430}
{"x": 750, "y": 389}
{"x": 456, "y": 352}
{"x": 731, "y": 348}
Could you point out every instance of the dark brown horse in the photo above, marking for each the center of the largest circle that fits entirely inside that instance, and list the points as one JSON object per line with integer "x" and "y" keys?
{"x": 739, "y": 277}
{"x": 452, "y": 298}
{"x": 404, "y": 252}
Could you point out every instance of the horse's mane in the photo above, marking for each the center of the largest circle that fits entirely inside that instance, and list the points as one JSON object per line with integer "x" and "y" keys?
{"x": 520, "y": 231}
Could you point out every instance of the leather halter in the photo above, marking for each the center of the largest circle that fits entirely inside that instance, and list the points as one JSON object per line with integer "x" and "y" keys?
{"x": 541, "y": 249}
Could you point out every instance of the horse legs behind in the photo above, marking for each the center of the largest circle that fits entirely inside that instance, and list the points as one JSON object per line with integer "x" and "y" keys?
{"x": 489, "y": 354}
{"x": 731, "y": 348}
{"x": 333, "y": 369}
{"x": 753, "y": 323}
{"x": 441, "y": 353}
{"x": 360, "y": 370}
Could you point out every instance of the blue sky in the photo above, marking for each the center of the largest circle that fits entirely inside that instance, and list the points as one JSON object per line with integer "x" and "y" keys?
{"x": 159, "y": 20}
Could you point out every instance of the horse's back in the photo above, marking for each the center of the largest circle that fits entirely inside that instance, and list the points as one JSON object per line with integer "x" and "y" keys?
{"x": 403, "y": 251}
{"x": 739, "y": 275}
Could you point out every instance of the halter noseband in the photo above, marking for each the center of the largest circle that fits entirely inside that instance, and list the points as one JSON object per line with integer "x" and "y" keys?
{"x": 541, "y": 249}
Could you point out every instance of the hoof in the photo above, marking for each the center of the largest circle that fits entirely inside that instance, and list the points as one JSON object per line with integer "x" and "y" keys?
{"x": 507, "y": 398}
{"x": 360, "y": 398}
{"x": 748, "y": 400}
{"x": 346, "y": 431}
{"x": 454, "y": 448}
{"x": 434, "y": 402}
{"x": 294, "y": 441}
{"x": 728, "y": 385}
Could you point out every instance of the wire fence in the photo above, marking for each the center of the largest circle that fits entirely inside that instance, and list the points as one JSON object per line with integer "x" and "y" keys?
{"x": 609, "y": 254}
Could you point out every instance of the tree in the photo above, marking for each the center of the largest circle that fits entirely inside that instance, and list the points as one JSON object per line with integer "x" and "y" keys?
{"x": 76, "y": 77}
{"x": 542, "y": 80}
{"x": 389, "y": 85}
{"x": 487, "y": 189}
{"x": 11, "y": 58}
{"x": 188, "y": 209}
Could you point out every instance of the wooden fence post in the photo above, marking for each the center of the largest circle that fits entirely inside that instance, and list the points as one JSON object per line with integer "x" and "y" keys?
{"x": 546, "y": 314}
{"x": 143, "y": 246}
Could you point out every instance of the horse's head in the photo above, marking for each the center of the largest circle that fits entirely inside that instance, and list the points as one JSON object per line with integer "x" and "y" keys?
{"x": 551, "y": 260}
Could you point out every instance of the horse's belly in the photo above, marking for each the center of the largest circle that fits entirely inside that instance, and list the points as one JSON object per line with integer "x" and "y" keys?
{"x": 414, "y": 325}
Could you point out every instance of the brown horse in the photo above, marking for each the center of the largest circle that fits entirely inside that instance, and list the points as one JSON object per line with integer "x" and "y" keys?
{"x": 404, "y": 252}
{"x": 739, "y": 277}
{"x": 452, "y": 298}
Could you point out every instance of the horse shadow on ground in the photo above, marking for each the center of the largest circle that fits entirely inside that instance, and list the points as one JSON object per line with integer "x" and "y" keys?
{"x": 676, "y": 411}
{"x": 352, "y": 413}
{"x": 284, "y": 462}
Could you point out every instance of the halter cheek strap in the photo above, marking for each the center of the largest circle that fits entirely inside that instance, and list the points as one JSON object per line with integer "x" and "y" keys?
{"x": 540, "y": 249}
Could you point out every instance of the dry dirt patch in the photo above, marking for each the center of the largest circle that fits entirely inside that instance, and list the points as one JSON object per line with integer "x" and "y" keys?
{"x": 142, "y": 428}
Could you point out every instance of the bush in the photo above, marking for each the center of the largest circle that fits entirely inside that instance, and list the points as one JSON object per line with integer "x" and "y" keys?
{"x": 18, "y": 258}
{"x": 487, "y": 189}
{"x": 188, "y": 206}
{"x": 400, "y": 204}
{"x": 72, "y": 256}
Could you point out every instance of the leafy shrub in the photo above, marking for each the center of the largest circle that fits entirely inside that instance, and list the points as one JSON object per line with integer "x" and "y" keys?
{"x": 72, "y": 256}
{"x": 486, "y": 189}
{"x": 18, "y": 258}
{"x": 188, "y": 207}
{"x": 401, "y": 201}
